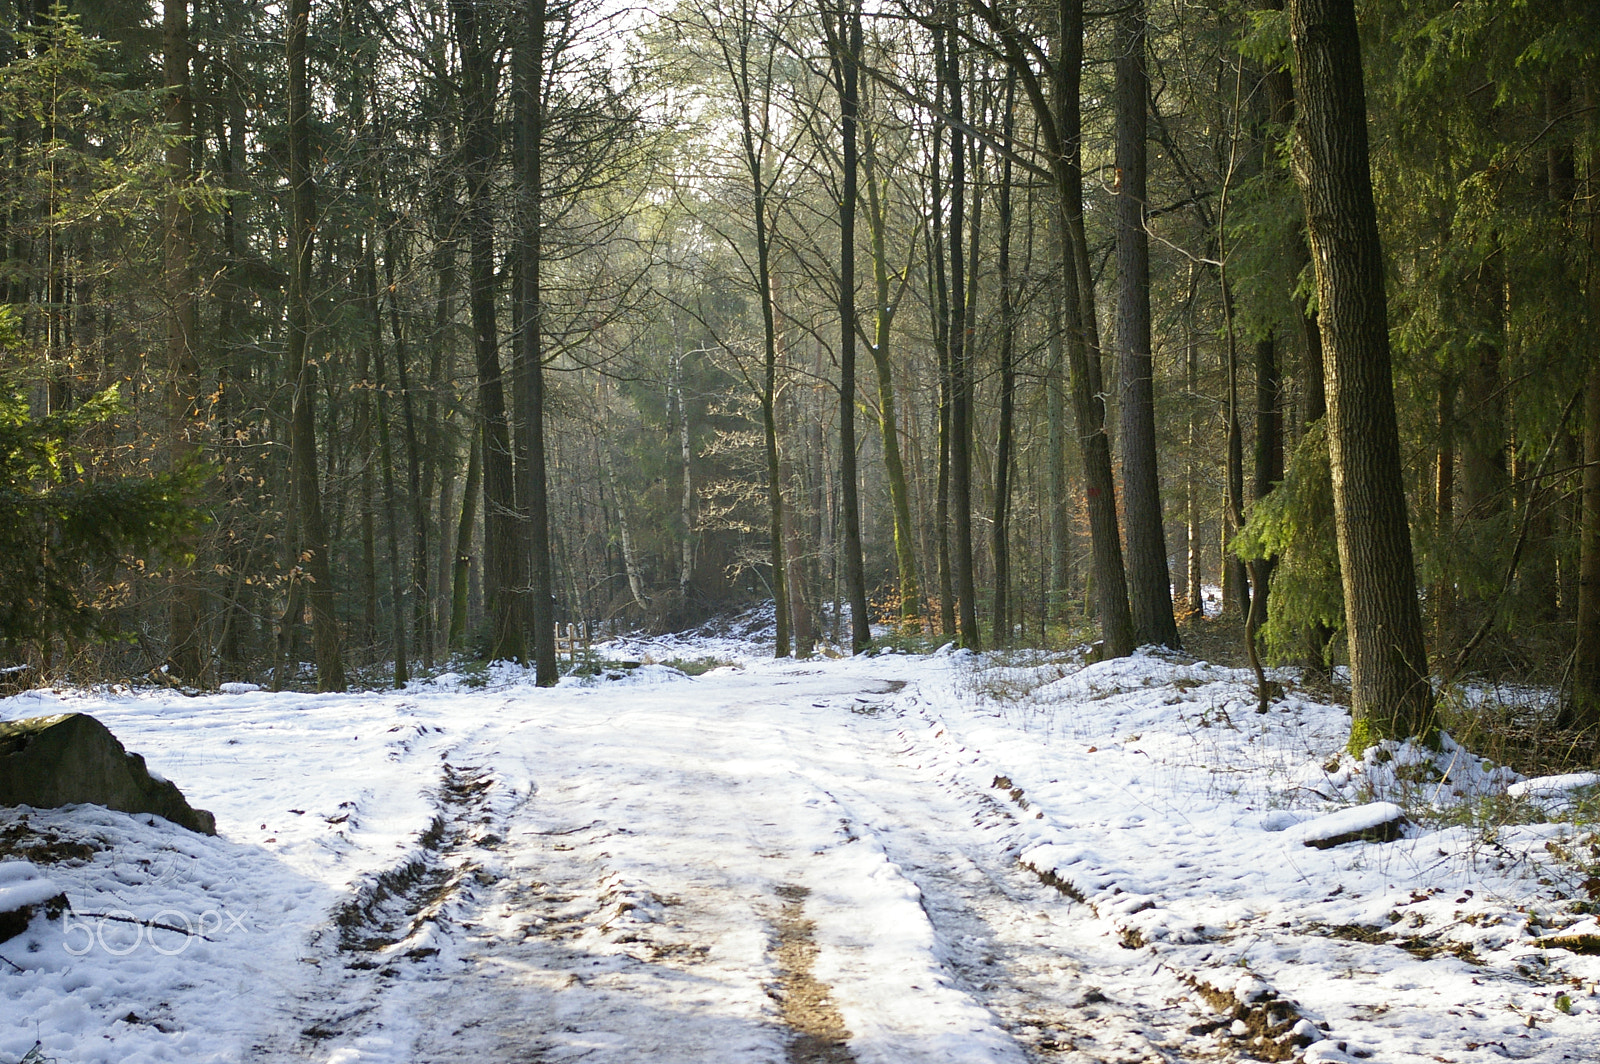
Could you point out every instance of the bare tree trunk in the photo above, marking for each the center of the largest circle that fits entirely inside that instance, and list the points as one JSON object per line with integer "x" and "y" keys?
{"x": 942, "y": 340}
{"x": 1149, "y": 580}
{"x": 1268, "y": 458}
{"x": 1391, "y": 694}
{"x": 960, "y": 363}
{"x": 189, "y": 654}
{"x": 505, "y": 556}
{"x": 1083, "y": 343}
{"x": 399, "y": 615}
{"x": 303, "y": 441}
{"x": 738, "y": 62}
{"x": 1583, "y": 708}
{"x": 630, "y": 564}
{"x": 1000, "y": 529}
{"x": 847, "y": 49}
{"x": 805, "y": 634}
{"x": 686, "y": 498}
{"x": 888, "y": 425}
{"x": 462, "y": 566}
{"x": 1235, "y": 575}
{"x": 1195, "y": 584}
{"x": 532, "y": 489}
{"x": 1060, "y": 501}
{"x": 421, "y": 607}
{"x": 1441, "y": 600}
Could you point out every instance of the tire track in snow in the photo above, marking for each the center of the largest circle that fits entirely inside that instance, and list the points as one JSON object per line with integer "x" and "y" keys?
{"x": 394, "y": 925}
{"x": 1037, "y": 963}
{"x": 808, "y": 1008}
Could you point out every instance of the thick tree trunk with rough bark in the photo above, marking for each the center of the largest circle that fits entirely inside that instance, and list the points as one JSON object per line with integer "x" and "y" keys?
{"x": 1083, "y": 341}
{"x": 1391, "y": 695}
{"x": 1149, "y": 579}
{"x": 505, "y": 559}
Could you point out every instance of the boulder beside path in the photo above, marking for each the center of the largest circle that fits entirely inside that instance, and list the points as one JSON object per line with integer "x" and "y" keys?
{"x": 71, "y": 757}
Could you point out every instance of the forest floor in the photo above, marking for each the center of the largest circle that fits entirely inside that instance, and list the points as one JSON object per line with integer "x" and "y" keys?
{"x": 717, "y": 857}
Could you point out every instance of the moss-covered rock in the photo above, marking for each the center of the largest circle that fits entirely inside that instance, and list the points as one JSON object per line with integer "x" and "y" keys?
{"x": 71, "y": 757}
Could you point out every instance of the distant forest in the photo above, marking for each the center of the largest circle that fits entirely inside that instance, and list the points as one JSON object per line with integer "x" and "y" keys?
{"x": 367, "y": 333}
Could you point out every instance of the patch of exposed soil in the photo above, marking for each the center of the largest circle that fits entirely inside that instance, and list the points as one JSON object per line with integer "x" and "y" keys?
{"x": 820, "y": 1035}
{"x": 43, "y": 846}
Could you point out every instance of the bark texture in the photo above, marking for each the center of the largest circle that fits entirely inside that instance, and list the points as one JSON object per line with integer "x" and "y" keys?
{"x": 1149, "y": 580}
{"x": 505, "y": 563}
{"x": 1391, "y": 696}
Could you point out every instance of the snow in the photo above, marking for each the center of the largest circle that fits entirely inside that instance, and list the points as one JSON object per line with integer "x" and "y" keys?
{"x": 22, "y": 885}
{"x": 976, "y": 858}
{"x": 1553, "y": 786}
{"x": 1351, "y": 821}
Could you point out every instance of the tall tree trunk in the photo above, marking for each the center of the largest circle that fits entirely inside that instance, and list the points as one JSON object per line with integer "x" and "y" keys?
{"x": 630, "y": 563}
{"x": 303, "y": 440}
{"x": 1083, "y": 341}
{"x": 848, "y": 50}
{"x": 369, "y": 540}
{"x": 1000, "y": 544}
{"x": 1485, "y": 471}
{"x": 462, "y": 565}
{"x": 1060, "y": 502}
{"x": 1391, "y": 695}
{"x": 532, "y": 489}
{"x": 1149, "y": 580}
{"x": 1195, "y": 589}
{"x": 686, "y": 496}
{"x": 1441, "y": 600}
{"x": 421, "y": 606}
{"x": 399, "y": 615}
{"x": 738, "y": 61}
{"x": 769, "y": 423}
{"x": 188, "y": 655}
{"x": 804, "y": 626}
{"x": 505, "y": 557}
{"x": 888, "y": 424}
{"x": 1268, "y": 458}
{"x": 1583, "y": 708}
{"x": 1235, "y": 574}
{"x": 960, "y": 362}
{"x": 941, "y": 341}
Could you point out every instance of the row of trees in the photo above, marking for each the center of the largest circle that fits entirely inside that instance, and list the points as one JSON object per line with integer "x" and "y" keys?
{"x": 476, "y": 315}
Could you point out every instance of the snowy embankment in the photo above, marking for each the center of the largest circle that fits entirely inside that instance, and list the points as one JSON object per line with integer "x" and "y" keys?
{"x": 935, "y": 858}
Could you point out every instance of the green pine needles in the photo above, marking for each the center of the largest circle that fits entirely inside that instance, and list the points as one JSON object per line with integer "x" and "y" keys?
{"x": 65, "y": 527}
{"x": 1294, "y": 523}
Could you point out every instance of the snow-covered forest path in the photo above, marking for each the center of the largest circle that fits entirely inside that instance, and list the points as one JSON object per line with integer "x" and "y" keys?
{"x": 699, "y": 877}
{"x": 897, "y": 859}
